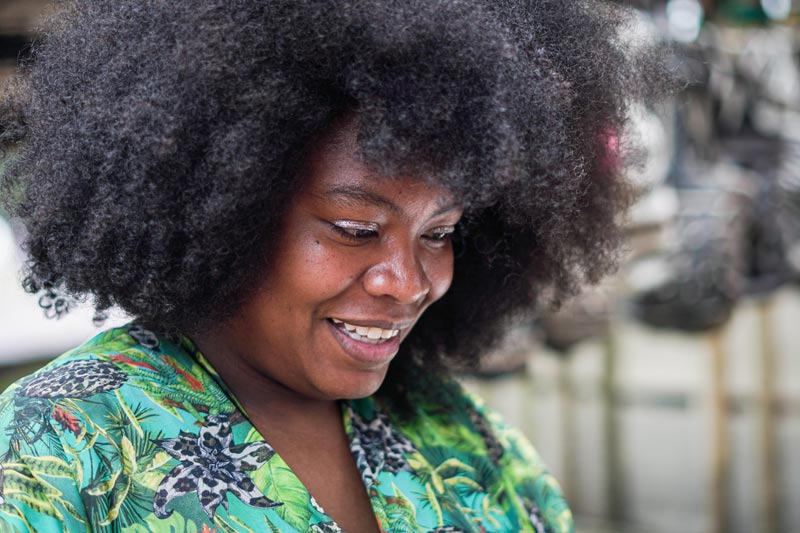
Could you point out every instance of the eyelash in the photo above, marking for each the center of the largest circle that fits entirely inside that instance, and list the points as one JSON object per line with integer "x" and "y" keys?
{"x": 441, "y": 234}
{"x": 445, "y": 233}
{"x": 355, "y": 234}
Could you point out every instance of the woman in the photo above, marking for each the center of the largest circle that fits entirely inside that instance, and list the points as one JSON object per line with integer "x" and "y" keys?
{"x": 313, "y": 209}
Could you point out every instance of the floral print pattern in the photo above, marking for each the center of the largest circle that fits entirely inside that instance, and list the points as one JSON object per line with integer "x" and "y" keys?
{"x": 377, "y": 446}
{"x": 75, "y": 379}
{"x": 211, "y": 466}
{"x": 134, "y": 432}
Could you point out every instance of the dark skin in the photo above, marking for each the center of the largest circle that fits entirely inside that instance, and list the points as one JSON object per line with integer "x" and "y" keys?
{"x": 358, "y": 261}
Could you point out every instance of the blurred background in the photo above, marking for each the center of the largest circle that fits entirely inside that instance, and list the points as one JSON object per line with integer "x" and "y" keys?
{"x": 667, "y": 399}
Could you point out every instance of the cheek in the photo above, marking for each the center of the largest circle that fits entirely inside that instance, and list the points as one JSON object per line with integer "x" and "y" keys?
{"x": 323, "y": 269}
{"x": 440, "y": 273}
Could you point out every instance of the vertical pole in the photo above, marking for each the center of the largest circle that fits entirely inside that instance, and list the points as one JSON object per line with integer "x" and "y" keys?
{"x": 769, "y": 510}
{"x": 568, "y": 436}
{"x": 720, "y": 452}
{"x": 614, "y": 473}
{"x": 529, "y": 391}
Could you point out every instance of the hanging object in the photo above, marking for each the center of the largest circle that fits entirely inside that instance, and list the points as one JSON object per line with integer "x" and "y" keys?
{"x": 684, "y": 19}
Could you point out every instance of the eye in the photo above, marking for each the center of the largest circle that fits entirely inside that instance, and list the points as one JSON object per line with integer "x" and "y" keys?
{"x": 440, "y": 236}
{"x": 355, "y": 231}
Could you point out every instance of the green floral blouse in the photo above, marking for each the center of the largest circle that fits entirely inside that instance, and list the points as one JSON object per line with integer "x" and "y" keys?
{"x": 132, "y": 432}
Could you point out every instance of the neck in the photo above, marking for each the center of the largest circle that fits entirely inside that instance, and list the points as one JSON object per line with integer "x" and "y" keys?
{"x": 268, "y": 404}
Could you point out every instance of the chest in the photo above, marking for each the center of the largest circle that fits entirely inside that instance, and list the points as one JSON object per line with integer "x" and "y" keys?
{"x": 328, "y": 471}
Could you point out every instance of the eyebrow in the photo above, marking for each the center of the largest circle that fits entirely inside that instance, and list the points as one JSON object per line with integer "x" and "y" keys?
{"x": 357, "y": 194}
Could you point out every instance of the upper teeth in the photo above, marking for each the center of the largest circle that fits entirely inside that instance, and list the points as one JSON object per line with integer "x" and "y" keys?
{"x": 368, "y": 332}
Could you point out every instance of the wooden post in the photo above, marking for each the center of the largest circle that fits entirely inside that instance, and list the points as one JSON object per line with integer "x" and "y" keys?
{"x": 529, "y": 391}
{"x": 568, "y": 436}
{"x": 769, "y": 509}
{"x": 614, "y": 489}
{"x": 720, "y": 452}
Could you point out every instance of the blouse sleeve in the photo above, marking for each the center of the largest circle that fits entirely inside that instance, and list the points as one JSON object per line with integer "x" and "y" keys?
{"x": 38, "y": 481}
{"x": 523, "y": 469}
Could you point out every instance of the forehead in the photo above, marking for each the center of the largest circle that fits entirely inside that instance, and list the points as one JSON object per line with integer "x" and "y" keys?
{"x": 335, "y": 171}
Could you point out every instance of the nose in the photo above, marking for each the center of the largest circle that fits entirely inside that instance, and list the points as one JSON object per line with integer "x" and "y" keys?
{"x": 400, "y": 275}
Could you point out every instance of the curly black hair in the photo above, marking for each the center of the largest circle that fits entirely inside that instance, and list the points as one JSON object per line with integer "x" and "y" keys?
{"x": 158, "y": 142}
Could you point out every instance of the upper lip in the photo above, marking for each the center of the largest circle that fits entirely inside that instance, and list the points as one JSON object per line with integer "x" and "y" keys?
{"x": 377, "y": 323}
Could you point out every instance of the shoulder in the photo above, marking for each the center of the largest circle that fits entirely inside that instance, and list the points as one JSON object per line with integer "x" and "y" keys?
{"x": 466, "y": 422}
{"x": 123, "y": 374}
{"x": 100, "y": 365}
{"x": 522, "y": 465}
{"x": 60, "y": 398}
{"x": 72, "y": 433}
{"x": 120, "y": 360}
{"x": 78, "y": 373}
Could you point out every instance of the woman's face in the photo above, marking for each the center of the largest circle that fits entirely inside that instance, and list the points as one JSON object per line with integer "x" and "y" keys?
{"x": 357, "y": 262}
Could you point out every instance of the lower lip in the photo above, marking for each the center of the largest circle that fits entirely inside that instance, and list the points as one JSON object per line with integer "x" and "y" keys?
{"x": 369, "y": 355}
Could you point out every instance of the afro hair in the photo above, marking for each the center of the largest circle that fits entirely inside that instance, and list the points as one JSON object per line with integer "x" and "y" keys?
{"x": 157, "y": 142}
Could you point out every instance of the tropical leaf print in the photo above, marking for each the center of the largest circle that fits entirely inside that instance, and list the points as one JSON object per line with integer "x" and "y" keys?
{"x": 112, "y": 340}
{"x": 177, "y": 523}
{"x": 233, "y": 524}
{"x": 272, "y": 527}
{"x": 284, "y": 486}
{"x": 48, "y": 466}
{"x": 82, "y": 442}
{"x": 67, "y": 421}
{"x": 25, "y": 483}
{"x": 401, "y": 512}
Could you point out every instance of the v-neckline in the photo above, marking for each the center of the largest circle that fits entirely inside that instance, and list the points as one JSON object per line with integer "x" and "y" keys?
{"x": 254, "y": 435}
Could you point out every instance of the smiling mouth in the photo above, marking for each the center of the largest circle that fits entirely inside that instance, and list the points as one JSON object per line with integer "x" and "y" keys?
{"x": 366, "y": 334}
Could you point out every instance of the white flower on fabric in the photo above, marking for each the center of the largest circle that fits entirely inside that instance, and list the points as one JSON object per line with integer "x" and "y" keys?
{"x": 212, "y": 466}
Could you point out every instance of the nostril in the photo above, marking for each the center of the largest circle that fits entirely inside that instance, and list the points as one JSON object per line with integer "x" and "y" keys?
{"x": 406, "y": 286}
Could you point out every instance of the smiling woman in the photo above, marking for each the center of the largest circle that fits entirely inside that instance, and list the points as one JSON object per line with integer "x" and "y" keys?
{"x": 356, "y": 262}
{"x": 313, "y": 210}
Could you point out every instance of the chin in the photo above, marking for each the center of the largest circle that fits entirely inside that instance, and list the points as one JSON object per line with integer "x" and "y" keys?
{"x": 361, "y": 385}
